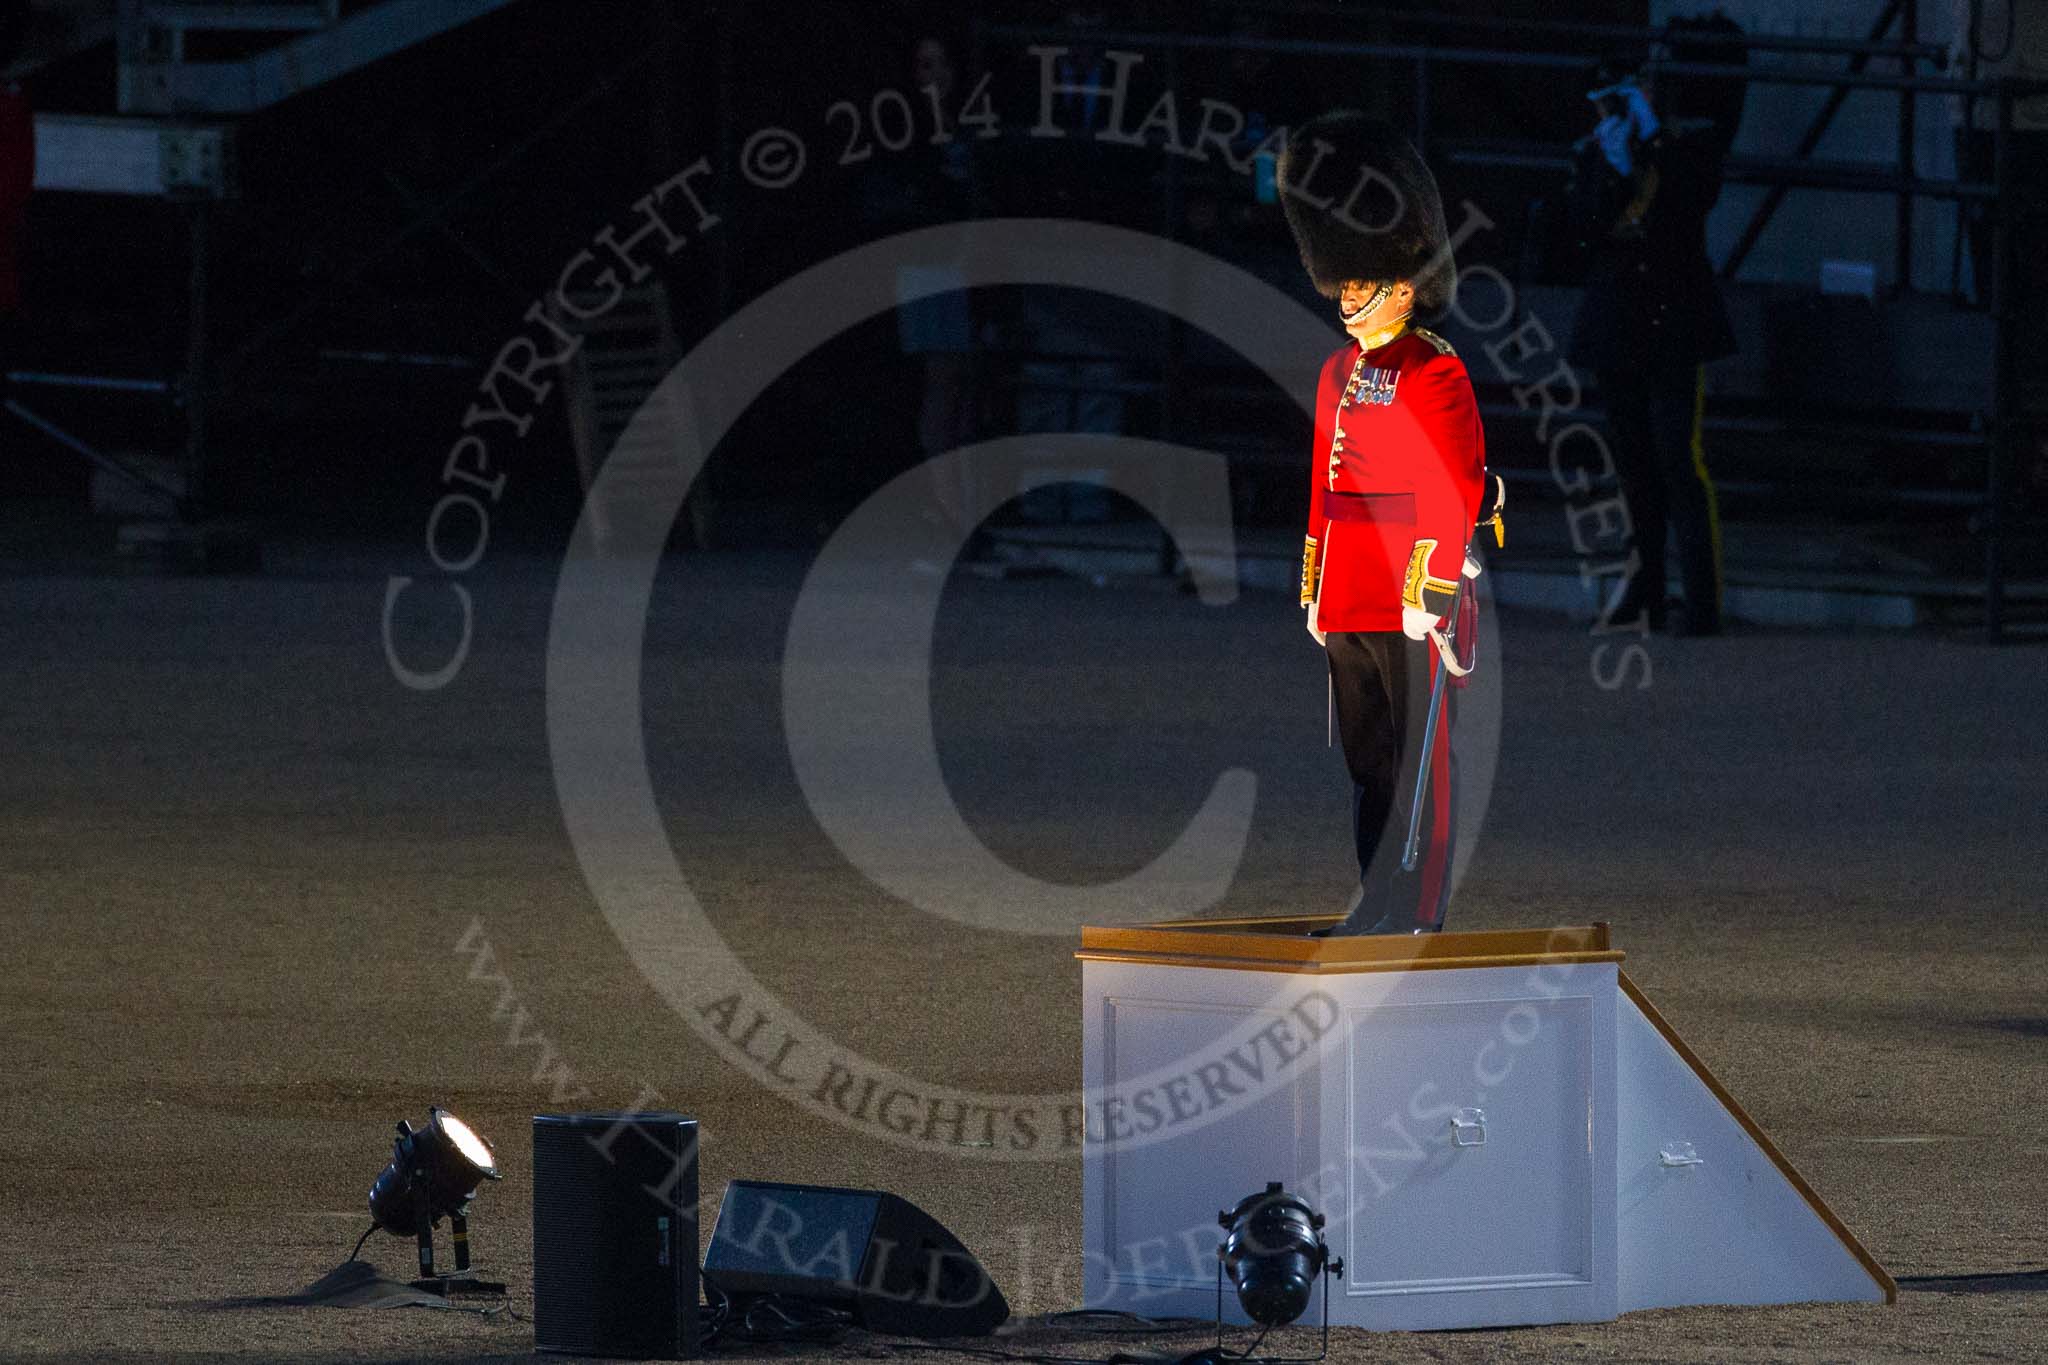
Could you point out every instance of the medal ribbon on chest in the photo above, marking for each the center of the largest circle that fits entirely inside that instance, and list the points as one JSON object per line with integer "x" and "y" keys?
{"x": 1367, "y": 386}
{"x": 1370, "y": 385}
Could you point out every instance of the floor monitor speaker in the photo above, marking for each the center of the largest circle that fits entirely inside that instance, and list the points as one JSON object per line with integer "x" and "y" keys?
{"x": 888, "y": 1263}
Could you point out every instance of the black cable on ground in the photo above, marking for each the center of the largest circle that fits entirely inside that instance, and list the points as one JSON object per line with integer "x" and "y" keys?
{"x": 359, "y": 1242}
{"x": 1141, "y": 1326}
{"x": 991, "y": 1353}
{"x": 768, "y": 1319}
{"x": 771, "y": 1319}
{"x": 1117, "y": 1322}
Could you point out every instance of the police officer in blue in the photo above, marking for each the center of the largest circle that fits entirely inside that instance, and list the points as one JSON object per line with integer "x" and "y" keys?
{"x": 1642, "y": 184}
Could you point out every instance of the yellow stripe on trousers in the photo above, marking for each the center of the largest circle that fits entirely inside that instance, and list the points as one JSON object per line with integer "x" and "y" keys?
{"x": 1699, "y": 469}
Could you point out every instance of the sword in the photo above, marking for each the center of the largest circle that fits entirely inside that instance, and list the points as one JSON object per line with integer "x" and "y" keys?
{"x": 1447, "y": 655}
{"x": 1411, "y": 852}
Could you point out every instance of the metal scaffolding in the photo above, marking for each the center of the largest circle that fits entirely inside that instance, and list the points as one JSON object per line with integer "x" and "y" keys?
{"x": 2004, "y": 415}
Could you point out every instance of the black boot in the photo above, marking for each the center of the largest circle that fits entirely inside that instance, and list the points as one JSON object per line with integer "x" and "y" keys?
{"x": 1389, "y": 923}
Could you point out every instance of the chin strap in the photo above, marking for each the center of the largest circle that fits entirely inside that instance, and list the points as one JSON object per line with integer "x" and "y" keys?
{"x": 1365, "y": 310}
{"x": 1356, "y": 316}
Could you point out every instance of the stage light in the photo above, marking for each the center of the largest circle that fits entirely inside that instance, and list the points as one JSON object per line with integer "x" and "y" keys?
{"x": 433, "y": 1174}
{"x": 1273, "y": 1253}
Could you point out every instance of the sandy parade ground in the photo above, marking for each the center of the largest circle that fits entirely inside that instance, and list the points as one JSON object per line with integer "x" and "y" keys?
{"x": 261, "y": 901}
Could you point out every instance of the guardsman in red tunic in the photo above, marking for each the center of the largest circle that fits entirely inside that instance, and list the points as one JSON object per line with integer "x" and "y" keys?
{"x": 1396, "y": 480}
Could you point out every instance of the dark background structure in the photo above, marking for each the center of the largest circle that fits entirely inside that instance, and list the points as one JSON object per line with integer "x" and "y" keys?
{"x": 380, "y": 235}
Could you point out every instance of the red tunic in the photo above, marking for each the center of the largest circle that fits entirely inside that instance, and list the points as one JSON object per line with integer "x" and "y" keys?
{"x": 1399, "y": 460}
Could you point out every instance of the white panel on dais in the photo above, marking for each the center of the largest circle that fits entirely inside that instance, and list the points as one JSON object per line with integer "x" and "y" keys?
{"x": 1456, "y": 1125}
{"x": 1182, "y": 1063}
{"x": 1472, "y": 1163}
{"x": 1705, "y": 1215}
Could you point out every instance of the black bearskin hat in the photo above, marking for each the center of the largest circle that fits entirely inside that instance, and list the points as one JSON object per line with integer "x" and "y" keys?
{"x": 1363, "y": 206}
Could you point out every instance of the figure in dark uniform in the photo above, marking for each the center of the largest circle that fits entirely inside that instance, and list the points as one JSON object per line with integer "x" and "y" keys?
{"x": 1395, "y": 484}
{"x": 1642, "y": 184}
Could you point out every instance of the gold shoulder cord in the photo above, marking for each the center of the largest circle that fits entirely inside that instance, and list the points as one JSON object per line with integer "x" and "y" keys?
{"x": 1442, "y": 347}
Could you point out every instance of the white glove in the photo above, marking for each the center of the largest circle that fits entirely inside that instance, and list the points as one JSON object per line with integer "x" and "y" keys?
{"x": 1313, "y": 629}
{"x": 1613, "y": 134}
{"x": 1416, "y": 623}
{"x": 1641, "y": 116}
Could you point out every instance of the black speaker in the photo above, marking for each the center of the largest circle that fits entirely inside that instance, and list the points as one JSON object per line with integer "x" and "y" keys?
{"x": 883, "y": 1259}
{"x": 615, "y": 1234}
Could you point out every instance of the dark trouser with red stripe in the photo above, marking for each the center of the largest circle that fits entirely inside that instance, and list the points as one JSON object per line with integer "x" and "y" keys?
{"x": 1382, "y": 681}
